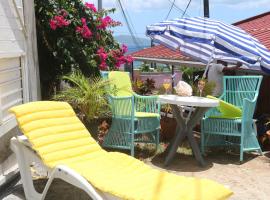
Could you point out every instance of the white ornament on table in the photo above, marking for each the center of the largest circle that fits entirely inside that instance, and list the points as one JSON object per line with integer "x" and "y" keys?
{"x": 183, "y": 89}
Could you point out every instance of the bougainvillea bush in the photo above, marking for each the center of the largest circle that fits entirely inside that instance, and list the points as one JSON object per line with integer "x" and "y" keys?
{"x": 73, "y": 35}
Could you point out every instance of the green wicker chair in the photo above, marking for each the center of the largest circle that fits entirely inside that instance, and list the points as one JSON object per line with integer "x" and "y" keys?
{"x": 135, "y": 118}
{"x": 220, "y": 129}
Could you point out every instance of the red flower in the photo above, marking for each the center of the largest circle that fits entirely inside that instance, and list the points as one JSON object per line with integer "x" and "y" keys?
{"x": 58, "y": 21}
{"x": 104, "y": 22}
{"x": 102, "y": 54}
{"x": 61, "y": 21}
{"x": 129, "y": 59}
{"x": 53, "y": 24}
{"x": 91, "y": 7}
{"x": 124, "y": 48}
{"x": 84, "y": 30}
{"x": 115, "y": 23}
{"x": 79, "y": 29}
{"x": 103, "y": 66}
{"x": 107, "y": 21}
{"x": 83, "y": 20}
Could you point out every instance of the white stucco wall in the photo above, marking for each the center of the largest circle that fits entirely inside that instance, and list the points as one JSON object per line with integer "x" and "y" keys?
{"x": 16, "y": 72}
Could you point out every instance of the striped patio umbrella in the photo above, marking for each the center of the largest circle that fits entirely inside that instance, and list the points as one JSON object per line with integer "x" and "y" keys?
{"x": 206, "y": 40}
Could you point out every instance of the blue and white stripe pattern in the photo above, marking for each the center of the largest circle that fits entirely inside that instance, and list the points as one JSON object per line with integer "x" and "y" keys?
{"x": 206, "y": 40}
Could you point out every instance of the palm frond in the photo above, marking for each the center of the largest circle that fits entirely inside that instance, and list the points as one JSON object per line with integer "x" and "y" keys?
{"x": 86, "y": 94}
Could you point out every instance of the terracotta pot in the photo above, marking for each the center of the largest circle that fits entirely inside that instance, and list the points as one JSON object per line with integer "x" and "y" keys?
{"x": 168, "y": 126}
{"x": 93, "y": 126}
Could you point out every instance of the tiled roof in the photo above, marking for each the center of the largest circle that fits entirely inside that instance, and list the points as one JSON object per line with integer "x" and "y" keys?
{"x": 160, "y": 52}
{"x": 258, "y": 26}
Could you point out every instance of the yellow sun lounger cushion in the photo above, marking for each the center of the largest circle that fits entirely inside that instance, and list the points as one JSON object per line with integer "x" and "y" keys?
{"x": 146, "y": 114}
{"x": 59, "y": 138}
{"x": 227, "y": 110}
{"x": 121, "y": 81}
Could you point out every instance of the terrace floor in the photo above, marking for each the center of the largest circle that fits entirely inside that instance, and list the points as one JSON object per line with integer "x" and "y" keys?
{"x": 249, "y": 180}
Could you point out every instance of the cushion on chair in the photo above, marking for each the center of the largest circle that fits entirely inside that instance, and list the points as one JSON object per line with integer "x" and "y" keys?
{"x": 227, "y": 110}
{"x": 146, "y": 114}
{"x": 121, "y": 81}
{"x": 60, "y": 138}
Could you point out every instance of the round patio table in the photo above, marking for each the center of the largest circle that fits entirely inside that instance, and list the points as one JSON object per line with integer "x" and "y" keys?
{"x": 195, "y": 108}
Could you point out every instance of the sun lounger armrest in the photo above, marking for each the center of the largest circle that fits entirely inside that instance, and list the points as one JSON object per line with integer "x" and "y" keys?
{"x": 23, "y": 139}
{"x": 147, "y": 103}
{"x": 68, "y": 175}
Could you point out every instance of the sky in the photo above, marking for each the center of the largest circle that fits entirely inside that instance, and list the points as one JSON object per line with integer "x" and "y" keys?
{"x": 146, "y": 12}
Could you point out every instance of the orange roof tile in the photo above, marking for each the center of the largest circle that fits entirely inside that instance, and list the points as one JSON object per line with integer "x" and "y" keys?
{"x": 160, "y": 52}
{"x": 258, "y": 26}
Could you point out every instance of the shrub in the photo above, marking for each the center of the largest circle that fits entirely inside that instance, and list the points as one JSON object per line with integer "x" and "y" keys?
{"x": 73, "y": 35}
{"x": 86, "y": 95}
{"x": 144, "y": 87}
{"x": 145, "y": 67}
{"x": 207, "y": 90}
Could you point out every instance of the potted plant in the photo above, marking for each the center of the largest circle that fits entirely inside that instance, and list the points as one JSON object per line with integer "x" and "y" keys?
{"x": 167, "y": 123}
{"x": 88, "y": 98}
{"x": 144, "y": 87}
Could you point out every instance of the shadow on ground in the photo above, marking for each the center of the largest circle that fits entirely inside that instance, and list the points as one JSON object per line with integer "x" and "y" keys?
{"x": 188, "y": 163}
{"x": 58, "y": 190}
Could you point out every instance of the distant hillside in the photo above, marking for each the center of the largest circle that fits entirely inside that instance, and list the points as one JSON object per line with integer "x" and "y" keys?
{"x": 127, "y": 39}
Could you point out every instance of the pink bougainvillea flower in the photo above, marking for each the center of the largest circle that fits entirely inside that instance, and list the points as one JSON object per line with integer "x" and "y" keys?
{"x": 58, "y": 22}
{"x": 117, "y": 64}
{"x": 84, "y": 30}
{"x": 61, "y": 21}
{"x": 100, "y": 50}
{"x": 124, "y": 48}
{"x": 83, "y": 20}
{"x": 53, "y": 24}
{"x": 102, "y": 54}
{"x": 103, "y": 66}
{"x": 86, "y": 33}
{"x": 107, "y": 22}
{"x": 129, "y": 59}
{"x": 91, "y": 7}
{"x": 104, "y": 22}
{"x": 115, "y": 23}
{"x": 78, "y": 29}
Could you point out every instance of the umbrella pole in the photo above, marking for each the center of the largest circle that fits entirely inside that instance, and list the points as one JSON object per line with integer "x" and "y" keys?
{"x": 208, "y": 64}
{"x": 173, "y": 77}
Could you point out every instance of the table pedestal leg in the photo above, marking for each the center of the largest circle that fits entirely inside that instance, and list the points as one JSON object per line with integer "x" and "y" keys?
{"x": 178, "y": 136}
{"x": 184, "y": 128}
{"x": 172, "y": 148}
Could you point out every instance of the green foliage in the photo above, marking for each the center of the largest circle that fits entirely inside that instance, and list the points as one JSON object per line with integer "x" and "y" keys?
{"x": 86, "y": 95}
{"x": 144, "y": 87}
{"x": 187, "y": 74}
{"x": 160, "y": 68}
{"x": 145, "y": 67}
{"x": 71, "y": 35}
{"x": 208, "y": 89}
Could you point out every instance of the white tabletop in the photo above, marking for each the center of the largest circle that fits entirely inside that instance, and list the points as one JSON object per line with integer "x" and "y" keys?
{"x": 188, "y": 101}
